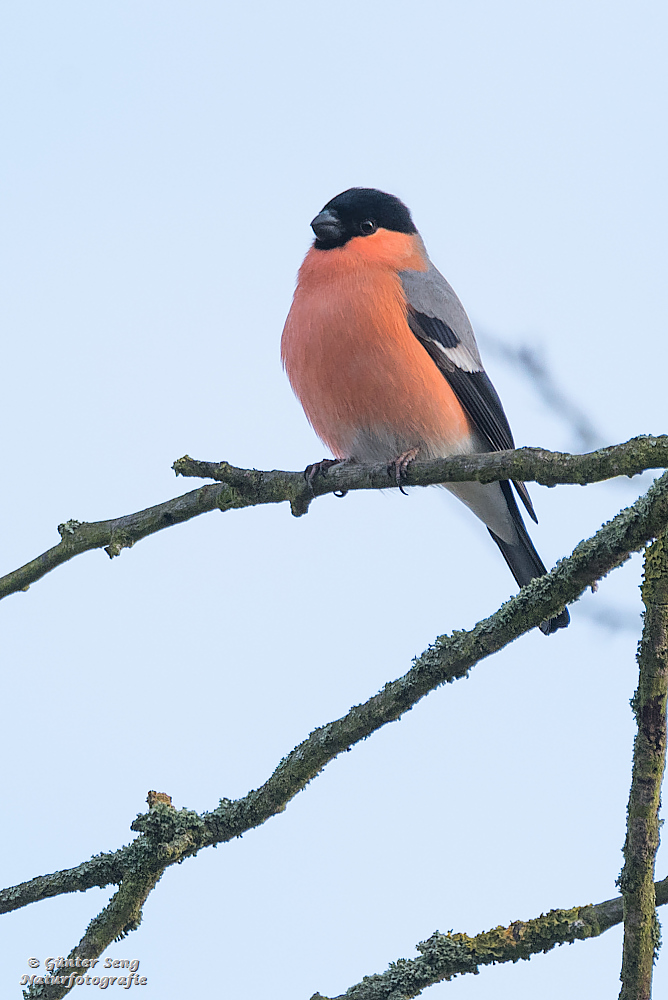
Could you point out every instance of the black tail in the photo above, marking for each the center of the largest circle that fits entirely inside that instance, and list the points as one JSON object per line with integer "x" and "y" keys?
{"x": 523, "y": 561}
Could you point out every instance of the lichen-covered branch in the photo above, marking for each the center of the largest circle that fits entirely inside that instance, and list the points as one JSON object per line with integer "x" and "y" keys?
{"x": 641, "y": 933}
{"x": 171, "y": 835}
{"x": 122, "y": 914}
{"x": 443, "y": 956}
{"x": 100, "y": 871}
{"x": 550, "y": 468}
{"x": 249, "y": 487}
{"x": 118, "y": 533}
{"x": 168, "y": 836}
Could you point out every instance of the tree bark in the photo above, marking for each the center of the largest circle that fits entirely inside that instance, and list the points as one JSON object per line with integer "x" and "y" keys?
{"x": 641, "y": 928}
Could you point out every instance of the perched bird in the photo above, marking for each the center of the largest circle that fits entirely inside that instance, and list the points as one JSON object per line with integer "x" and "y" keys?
{"x": 382, "y": 357}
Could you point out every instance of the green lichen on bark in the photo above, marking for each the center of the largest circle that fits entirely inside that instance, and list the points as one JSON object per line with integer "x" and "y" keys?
{"x": 122, "y": 915}
{"x": 529, "y": 464}
{"x": 235, "y": 488}
{"x": 168, "y": 836}
{"x": 450, "y": 657}
{"x": 641, "y": 929}
{"x": 444, "y": 956}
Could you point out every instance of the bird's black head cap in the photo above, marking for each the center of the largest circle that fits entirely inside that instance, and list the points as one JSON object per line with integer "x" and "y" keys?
{"x": 359, "y": 212}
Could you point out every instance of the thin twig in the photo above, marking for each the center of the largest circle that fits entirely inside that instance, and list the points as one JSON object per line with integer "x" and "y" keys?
{"x": 118, "y": 533}
{"x": 249, "y": 487}
{"x": 641, "y": 932}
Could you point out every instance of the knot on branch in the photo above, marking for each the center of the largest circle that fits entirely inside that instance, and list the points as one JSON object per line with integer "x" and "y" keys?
{"x": 181, "y": 465}
{"x": 299, "y": 503}
{"x": 172, "y": 831}
{"x": 222, "y": 472}
{"x": 68, "y": 528}
{"x": 120, "y": 540}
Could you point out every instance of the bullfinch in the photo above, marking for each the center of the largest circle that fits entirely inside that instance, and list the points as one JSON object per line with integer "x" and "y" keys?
{"x": 382, "y": 356}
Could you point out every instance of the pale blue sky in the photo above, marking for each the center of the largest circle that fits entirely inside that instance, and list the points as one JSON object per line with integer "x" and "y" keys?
{"x": 161, "y": 164}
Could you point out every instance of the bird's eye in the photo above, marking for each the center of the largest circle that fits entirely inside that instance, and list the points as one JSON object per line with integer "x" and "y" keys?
{"x": 367, "y": 227}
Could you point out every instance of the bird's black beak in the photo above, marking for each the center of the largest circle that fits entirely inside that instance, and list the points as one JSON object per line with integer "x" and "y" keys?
{"x": 327, "y": 227}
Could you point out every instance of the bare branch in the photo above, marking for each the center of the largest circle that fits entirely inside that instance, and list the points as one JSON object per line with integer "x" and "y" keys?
{"x": 118, "y": 533}
{"x": 171, "y": 835}
{"x": 249, "y": 487}
{"x": 550, "y": 468}
{"x": 443, "y": 956}
{"x": 641, "y": 932}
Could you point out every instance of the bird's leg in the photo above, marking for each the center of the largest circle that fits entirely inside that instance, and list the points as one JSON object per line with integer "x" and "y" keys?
{"x": 397, "y": 468}
{"x": 320, "y": 469}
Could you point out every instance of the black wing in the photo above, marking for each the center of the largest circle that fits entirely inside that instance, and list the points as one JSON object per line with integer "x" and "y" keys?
{"x": 471, "y": 385}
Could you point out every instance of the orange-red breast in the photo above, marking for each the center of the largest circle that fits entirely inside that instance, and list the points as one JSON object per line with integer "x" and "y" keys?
{"x": 382, "y": 356}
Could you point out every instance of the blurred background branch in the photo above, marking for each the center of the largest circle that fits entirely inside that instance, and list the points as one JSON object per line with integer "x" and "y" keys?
{"x": 530, "y": 362}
